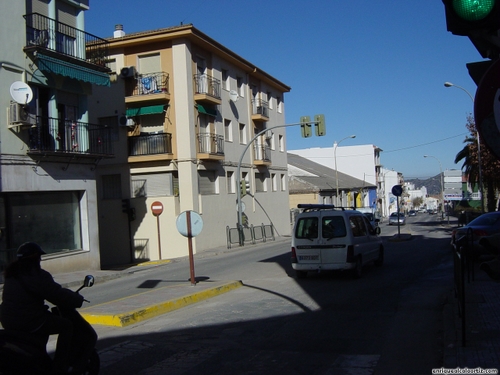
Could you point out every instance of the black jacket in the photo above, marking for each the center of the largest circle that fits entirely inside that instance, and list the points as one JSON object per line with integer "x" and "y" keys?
{"x": 23, "y": 300}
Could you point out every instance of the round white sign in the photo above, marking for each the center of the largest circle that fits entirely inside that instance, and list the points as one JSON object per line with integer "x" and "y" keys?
{"x": 196, "y": 223}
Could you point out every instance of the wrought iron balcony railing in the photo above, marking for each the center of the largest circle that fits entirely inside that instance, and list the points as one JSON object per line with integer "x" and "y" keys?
{"x": 51, "y": 135}
{"x": 262, "y": 152}
{"x": 49, "y": 34}
{"x": 151, "y": 144}
{"x": 152, "y": 83}
{"x": 206, "y": 84}
{"x": 260, "y": 107}
{"x": 210, "y": 144}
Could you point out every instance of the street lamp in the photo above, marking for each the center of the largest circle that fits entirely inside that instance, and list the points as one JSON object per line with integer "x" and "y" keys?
{"x": 449, "y": 84}
{"x": 442, "y": 187}
{"x": 335, "y": 159}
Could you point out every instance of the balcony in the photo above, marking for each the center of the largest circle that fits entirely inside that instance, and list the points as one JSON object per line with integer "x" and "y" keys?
{"x": 66, "y": 50}
{"x": 210, "y": 146}
{"x": 150, "y": 147}
{"x": 148, "y": 87}
{"x": 260, "y": 110}
{"x": 207, "y": 89}
{"x": 262, "y": 154}
{"x": 53, "y": 137}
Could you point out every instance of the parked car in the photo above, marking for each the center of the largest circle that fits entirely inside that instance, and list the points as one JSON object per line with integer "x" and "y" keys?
{"x": 485, "y": 225}
{"x": 412, "y": 213}
{"x": 329, "y": 238}
{"x": 394, "y": 218}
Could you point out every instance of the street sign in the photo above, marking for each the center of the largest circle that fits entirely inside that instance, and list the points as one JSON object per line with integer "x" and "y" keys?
{"x": 397, "y": 190}
{"x": 157, "y": 208}
{"x": 191, "y": 227}
{"x": 486, "y": 106}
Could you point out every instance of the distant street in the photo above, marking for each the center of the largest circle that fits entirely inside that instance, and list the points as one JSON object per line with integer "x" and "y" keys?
{"x": 387, "y": 322}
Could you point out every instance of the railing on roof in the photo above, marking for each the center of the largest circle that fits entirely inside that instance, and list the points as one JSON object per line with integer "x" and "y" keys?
{"x": 52, "y": 35}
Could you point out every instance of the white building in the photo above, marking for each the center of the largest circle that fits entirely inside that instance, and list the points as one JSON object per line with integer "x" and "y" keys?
{"x": 361, "y": 162}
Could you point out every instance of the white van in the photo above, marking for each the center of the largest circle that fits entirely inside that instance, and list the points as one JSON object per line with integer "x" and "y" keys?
{"x": 326, "y": 237}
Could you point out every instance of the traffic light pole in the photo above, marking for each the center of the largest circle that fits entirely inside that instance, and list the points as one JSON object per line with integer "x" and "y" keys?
{"x": 238, "y": 175}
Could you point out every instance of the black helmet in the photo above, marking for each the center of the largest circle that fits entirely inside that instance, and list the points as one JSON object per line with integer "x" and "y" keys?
{"x": 29, "y": 249}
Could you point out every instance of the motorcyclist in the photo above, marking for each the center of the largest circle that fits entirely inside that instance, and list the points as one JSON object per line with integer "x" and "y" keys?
{"x": 26, "y": 287}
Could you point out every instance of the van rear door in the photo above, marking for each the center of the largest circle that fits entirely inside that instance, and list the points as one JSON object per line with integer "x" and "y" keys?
{"x": 306, "y": 240}
{"x": 333, "y": 238}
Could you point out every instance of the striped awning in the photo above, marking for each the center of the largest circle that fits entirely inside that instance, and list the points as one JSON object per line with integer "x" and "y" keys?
{"x": 141, "y": 111}
{"x": 52, "y": 65}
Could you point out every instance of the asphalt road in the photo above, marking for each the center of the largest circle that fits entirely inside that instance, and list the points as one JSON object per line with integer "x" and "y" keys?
{"x": 387, "y": 322}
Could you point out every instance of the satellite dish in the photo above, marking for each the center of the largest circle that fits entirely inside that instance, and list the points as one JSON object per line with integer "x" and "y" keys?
{"x": 21, "y": 92}
{"x": 233, "y": 95}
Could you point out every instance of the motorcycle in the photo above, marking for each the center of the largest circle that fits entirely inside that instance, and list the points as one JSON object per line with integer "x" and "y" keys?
{"x": 24, "y": 353}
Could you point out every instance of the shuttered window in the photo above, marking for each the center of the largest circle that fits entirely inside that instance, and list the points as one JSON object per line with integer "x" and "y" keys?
{"x": 39, "y": 6}
{"x": 66, "y": 14}
{"x": 260, "y": 182}
{"x": 207, "y": 182}
{"x": 154, "y": 184}
{"x": 149, "y": 64}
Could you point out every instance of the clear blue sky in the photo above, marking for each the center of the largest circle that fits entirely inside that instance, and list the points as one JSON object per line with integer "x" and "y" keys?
{"x": 375, "y": 68}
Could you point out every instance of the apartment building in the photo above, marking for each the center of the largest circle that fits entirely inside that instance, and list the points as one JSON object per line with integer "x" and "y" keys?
{"x": 185, "y": 111}
{"x": 359, "y": 161}
{"x": 49, "y": 150}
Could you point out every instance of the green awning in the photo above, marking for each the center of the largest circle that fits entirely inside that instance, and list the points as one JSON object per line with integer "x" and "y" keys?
{"x": 141, "y": 111}
{"x": 64, "y": 68}
{"x": 207, "y": 111}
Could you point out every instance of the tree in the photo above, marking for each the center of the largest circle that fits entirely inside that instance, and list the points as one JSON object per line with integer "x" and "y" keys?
{"x": 417, "y": 202}
{"x": 490, "y": 165}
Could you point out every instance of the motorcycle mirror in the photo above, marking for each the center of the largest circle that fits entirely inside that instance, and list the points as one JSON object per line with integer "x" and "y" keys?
{"x": 88, "y": 281}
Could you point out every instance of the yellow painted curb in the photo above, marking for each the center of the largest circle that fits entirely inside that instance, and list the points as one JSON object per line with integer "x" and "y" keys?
{"x": 144, "y": 313}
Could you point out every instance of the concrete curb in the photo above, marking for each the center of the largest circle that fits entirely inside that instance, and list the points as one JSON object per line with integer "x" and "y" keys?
{"x": 97, "y": 315}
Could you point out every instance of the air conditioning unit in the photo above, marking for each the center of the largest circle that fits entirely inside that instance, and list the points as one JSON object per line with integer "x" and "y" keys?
{"x": 19, "y": 114}
{"x": 128, "y": 72}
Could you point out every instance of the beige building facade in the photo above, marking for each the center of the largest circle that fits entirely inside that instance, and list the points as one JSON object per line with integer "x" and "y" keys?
{"x": 183, "y": 109}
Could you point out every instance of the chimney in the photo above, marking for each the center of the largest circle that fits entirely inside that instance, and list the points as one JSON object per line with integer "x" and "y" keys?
{"x": 118, "y": 31}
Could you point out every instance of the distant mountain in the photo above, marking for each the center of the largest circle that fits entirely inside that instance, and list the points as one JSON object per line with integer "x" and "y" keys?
{"x": 433, "y": 184}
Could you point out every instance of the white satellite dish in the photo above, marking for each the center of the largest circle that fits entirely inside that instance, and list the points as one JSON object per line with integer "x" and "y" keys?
{"x": 233, "y": 95}
{"x": 21, "y": 92}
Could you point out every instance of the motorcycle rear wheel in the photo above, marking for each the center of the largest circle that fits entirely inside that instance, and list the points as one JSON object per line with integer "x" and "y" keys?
{"x": 93, "y": 364}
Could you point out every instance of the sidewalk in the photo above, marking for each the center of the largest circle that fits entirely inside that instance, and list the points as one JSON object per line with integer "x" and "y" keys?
{"x": 130, "y": 310}
{"x": 482, "y": 330}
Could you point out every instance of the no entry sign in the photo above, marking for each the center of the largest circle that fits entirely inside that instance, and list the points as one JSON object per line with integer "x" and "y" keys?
{"x": 157, "y": 208}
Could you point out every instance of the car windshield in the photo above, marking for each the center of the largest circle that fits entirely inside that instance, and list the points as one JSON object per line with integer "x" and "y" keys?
{"x": 485, "y": 220}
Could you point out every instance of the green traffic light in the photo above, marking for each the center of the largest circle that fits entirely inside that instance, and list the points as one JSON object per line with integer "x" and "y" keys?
{"x": 473, "y": 10}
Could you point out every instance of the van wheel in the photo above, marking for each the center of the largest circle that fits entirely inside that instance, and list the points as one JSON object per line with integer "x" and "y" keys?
{"x": 380, "y": 260}
{"x": 358, "y": 269}
{"x": 301, "y": 274}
